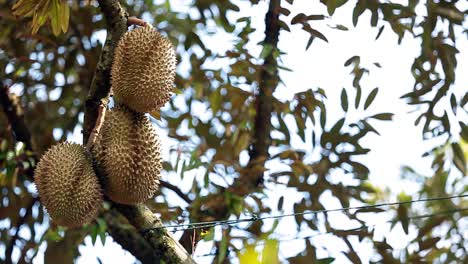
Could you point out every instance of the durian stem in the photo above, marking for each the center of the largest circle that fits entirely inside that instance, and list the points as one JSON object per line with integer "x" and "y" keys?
{"x": 139, "y": 22}
{"x": 97, "y": 128}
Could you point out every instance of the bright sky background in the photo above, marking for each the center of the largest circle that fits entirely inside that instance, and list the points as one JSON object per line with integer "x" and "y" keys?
{"x": 400, "y": 142}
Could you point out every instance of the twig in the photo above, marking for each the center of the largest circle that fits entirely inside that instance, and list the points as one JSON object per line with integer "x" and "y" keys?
{"x": 97, "y": 128}
{"x": 176, "y": 190}
{"x": 137, "y": 21}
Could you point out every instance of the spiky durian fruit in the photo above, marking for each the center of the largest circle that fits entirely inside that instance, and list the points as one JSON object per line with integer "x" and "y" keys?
{"x": 128, "y": 151}
{"x": 143, "y": 70}
{"x": 68, "y": 186}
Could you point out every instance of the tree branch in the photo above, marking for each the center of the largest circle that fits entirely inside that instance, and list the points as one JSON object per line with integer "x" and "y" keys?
{"x": 176, "y": 190}
{"x": 116, "y": 21}
{"x": 14, "y": 114}
{"x": 163, "y": 245}
{"x": 128, "y": 237}
{"x": 252, "y": 177}
{"x": 264, "y": 100}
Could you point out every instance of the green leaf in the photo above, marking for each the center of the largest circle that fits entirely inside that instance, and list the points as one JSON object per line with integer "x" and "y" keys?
{"x": 64, "y": 16}
{"x": 316, "y": 33}
{"x": 341, "y": 27}
{"x": 383, "y": 116}
{"x": 459, "y": 158}
{"x": 357, "y": 11}
{"x": 94, "y": 233}
{"x": 428, "y": 243}
{"x": 280, "y": 203}
{"x": 222, "y": 249}
{"x": 344, "y": 100}
{"x": 309, "y": 42}
{"x": 337, "y": 127}
{"x": 357, "y": 100}
{"x": 371, "y": 98}
{"x": 355, "y": 59}
{"x": 403, "y": 217}
{"x": 325, "y": 261}
{"x": 331, "y": 6}
{"x": 54, "y": 15}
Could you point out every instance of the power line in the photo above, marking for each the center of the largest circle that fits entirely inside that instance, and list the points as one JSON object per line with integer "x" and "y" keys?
{"x": 208, "y": 224}
{"x": 351, "y": 229}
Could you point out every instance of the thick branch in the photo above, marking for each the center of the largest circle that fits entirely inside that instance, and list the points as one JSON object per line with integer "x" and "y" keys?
{"x": 163, "y": 245}
{"x": 128, "y": 237}
{"x": 14, "y": 114}
{"x": 264, "y": 99}
{"x": 116, "y": 20}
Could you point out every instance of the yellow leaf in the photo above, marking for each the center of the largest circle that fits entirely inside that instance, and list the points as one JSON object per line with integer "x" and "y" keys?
{"x": 54, "y": 14}
{"x": 23, "y": 8}
{"x": 156, "y": 114}
{"x": 250, "y": 256}
{"x": 270, "y": 252}
{"x": 64, "y": 16}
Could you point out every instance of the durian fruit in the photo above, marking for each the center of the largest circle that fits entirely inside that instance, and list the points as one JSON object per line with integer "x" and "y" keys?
{"x": 128, "y": 152}
{"x": 143, "y": 70}
{"x": 68, "y": 186}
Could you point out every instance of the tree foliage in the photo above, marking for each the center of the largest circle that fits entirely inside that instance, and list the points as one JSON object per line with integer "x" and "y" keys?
{"x": 230, "y": 136}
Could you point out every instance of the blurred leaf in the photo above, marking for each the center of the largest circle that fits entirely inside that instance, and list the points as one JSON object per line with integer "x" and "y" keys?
{"x": 371, "y": 98}
{"x": 270, "y": 252}
{"x": 222, "y": 249}
{"x": 380, "y": 32}
{"x": 357, "y": 100}
{"x": 355, "y": 59}
{"x": 325, "y": 261}
{"x": 249, "y": 256}
{"x": 459, "y": 158}
{"x": 428, "y": 243}
{"x": 403, "y": 217}
{"x": 383, "y": 116}
{"x": 344, "y": 100}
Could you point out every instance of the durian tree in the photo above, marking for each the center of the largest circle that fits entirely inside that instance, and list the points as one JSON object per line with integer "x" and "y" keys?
{"x": 56, "y": 86}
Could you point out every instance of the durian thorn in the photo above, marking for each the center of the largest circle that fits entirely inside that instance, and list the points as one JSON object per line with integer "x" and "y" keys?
{"x": 139, "y": 22}
{"x": 97, "y": 126}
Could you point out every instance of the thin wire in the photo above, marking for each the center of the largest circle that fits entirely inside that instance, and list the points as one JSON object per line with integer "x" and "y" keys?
{"x": 351, "y": 229}
{"x": 208, "y": 224}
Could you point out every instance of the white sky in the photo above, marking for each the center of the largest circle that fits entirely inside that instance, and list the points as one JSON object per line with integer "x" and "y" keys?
{"x": 400, "y": 142}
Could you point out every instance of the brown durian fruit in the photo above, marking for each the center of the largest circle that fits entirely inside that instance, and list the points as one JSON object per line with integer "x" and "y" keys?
{"x": 128, "y": 152}
{"x": 68, "y": 186}
{"x": 143, "y": 70}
